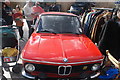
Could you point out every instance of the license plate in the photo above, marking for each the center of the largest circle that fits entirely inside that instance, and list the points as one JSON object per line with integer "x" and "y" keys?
{"x": 8, "y": 59}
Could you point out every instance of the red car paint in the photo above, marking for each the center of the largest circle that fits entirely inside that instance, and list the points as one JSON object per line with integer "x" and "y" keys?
{"x": 52, "y": 49}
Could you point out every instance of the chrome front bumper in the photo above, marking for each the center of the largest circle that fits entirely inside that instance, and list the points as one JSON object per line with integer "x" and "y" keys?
{"x": 96, "y": 75}
{"x": 27, "y": 75}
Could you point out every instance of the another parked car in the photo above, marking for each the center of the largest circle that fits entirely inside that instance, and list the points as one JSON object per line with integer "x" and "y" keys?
{"x": 79, "y": 8}
{"x": 58, "y": 48}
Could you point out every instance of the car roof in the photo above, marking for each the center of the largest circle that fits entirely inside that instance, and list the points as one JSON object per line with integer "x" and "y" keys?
{"x": 58, "y": 13}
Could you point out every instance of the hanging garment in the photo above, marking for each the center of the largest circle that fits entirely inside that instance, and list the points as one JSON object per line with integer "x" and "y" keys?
{"x": 83, "y": 19}
{"x": 96, "y": 27}
{"x": 110, "y": 39}
{"x": 87, "y": 23}
{"x": 107, "y": 17}
{"x": 89, "y": 32}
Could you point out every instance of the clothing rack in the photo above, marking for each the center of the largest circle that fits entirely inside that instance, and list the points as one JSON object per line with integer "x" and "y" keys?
{"x": 94, "y": 21}
{"x": 111, "y": 9}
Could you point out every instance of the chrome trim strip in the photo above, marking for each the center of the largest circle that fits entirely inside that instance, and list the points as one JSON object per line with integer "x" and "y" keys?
{"x": 96, "y": 75}
{"x": 60, "y": 63}
{"x": 63, "y": 79}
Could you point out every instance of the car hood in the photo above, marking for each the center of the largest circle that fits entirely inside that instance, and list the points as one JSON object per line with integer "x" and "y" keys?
{"x": 59, "y": 47}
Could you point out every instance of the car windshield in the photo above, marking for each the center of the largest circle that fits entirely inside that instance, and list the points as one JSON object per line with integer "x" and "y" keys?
{"x": 59, "y": 24}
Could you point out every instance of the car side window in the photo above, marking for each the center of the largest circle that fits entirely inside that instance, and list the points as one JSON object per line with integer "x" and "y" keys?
{"x": 38, "y": 25}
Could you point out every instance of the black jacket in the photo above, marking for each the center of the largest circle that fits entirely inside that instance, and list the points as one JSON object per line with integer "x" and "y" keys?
{"x": 5, "y": 14}
{"x": 111, "y": 38}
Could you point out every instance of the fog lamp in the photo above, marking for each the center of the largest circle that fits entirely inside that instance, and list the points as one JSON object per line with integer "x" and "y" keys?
{"x": 29, "y": 67}
{"x": 95, "y": 67}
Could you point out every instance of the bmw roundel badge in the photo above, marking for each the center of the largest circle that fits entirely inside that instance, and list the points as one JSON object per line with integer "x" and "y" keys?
{"x": 65, "y": 60}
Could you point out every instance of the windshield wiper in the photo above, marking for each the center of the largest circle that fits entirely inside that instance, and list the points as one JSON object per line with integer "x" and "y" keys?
{"x": 48, "y": 31}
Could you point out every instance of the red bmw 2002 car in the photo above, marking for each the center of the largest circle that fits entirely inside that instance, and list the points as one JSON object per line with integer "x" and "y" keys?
{"x": 58, "y": 48}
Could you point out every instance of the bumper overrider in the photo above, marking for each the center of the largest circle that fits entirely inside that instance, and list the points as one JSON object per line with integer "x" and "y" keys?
{"x": 34, "y": 70}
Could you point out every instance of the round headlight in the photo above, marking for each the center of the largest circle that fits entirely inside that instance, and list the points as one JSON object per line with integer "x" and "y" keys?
{"x": 95, "y": 67}
{"x": 29, "y": 67}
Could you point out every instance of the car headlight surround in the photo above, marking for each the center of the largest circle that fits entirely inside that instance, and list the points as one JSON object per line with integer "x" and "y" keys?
{"x": 30, "y": 67}
{"x": 95, "y": 67}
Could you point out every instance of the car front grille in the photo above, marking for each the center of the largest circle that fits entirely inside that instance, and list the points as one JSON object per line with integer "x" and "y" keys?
{"x": 62, "y": 70}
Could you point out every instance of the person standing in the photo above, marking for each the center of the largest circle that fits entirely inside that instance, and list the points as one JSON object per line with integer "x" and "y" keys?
{"x": 29, "y": 16}
{"x": 4, "y": 15}
{"x": 110, "y": 39}
{"x": 37, "y": 10}
{"x": 18, "y": 18}
{"x": 54, "y": 8}
{"x": 8, "y": 10}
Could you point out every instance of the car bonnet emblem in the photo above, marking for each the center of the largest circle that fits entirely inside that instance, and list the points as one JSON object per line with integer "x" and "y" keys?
{"x": 65, "y": 60}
